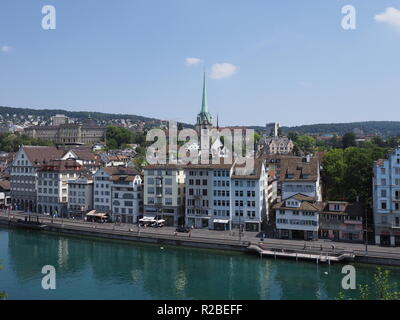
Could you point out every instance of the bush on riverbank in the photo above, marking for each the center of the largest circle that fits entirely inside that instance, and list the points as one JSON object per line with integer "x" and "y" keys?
{"x": 3, "y": 295}
{"x": 382, "y": 289}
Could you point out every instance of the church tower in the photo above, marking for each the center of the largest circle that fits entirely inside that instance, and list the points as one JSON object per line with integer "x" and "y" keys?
{"x": 204, "y": 118}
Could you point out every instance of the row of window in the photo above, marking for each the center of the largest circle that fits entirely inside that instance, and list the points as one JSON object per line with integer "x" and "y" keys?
{"x": 49, "y": 190}
{"x": 298, "y": 222}
{"x": 297, "y": 213}
{"x": 167, "y": 201}
{"x": 167, "y": 181}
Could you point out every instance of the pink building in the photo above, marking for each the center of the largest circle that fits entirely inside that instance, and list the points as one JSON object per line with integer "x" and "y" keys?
{"x": 342, "y": 220}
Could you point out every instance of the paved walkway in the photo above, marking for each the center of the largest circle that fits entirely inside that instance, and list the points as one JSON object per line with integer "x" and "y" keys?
{"x": 327, "y": 246}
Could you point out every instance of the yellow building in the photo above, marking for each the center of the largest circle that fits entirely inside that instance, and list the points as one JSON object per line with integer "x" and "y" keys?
{"x": 68, "y": 133}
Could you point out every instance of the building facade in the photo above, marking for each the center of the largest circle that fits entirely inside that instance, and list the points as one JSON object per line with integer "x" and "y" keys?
{"x": 52, "y": 191}
{"x": 68, "y": 133}
{"x": 80, "y": 192}
{"x": 102, "y": 191}
{"x": 297, "y": 217}
{"x": 300, "y": 175}
{"x": 24, "y": 174}
{"x": 126, "y": 194}
{"x": 386, "y": 199}
{"x": 218, "y": 197}
{"x": 164, "y": 193}
{"x": 118, "y": 192}
{"x": 342, "y": 221}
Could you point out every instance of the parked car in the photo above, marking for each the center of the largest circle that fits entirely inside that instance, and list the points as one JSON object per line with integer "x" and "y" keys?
{"x": 183, "y": 229}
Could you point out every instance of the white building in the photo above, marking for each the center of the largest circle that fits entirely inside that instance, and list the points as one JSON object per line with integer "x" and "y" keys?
{"x": 386, "y": 199}
{"x": 80, "y": 192}
{"x": 250, "y": 198}
{"x": 102, "y": 191}
{"x": 219, "y": 198}
{"x": 301, "y": 175}
{"x": 23, "y": 174}
{"x": 164, "y": 193}
{"x": 118, "y": 192}
{"x": 126, "y": 194}
{"x": 52, "y": 189}
{"x": 297, "y": 217}
{"x": 207, "y": 196}
{"x": 59, "y": 119}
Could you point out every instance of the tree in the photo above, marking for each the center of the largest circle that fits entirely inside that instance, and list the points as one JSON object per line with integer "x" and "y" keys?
{"x": 349, "y": 140}
{"x": 293, "y": 136}
{"x": 306, "y": 143}
{"x": 257, "y": 137}
{"x": 3, "y": 295}
{"x": 10, "y": 142}
{"x": 348, "y": 173}
{"x": 117, "y": 136}
{"x": 139, "y": 162}
{"x": 383, "y": 289}
{"x": 334, "y": 168}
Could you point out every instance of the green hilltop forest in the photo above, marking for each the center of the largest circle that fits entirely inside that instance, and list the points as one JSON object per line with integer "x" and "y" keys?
{"x": 7, "y": 114}
{"x": 382, "y": 128}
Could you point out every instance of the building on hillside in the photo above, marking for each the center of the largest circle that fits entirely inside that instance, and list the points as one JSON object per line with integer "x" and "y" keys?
{"x": 59, "y": 119}
{"x": 5, "y": 199}
{"x": 118, "y": 192}
{"x": 272, "y": 129}
{"x": 68, "y": 134}
{"x": 164, "y": 193}
{"x": 342, "y": 221}
{"x": 85, "y": 157}
{"x": 6, "y": 159}
{"x": 274, "y": 145}
{"x": 386, "y": 199}
{"x": 23, "y": 174}
{"x": 80, "y": 192}
{"x": 297, "y": 217}
{"x": 52, "y": 186}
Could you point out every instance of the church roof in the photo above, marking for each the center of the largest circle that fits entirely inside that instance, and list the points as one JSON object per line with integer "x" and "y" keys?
{"x": 204, "y": 117}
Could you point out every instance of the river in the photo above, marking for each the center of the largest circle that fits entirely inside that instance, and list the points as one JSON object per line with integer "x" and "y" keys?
{"x": 99, "y": 269}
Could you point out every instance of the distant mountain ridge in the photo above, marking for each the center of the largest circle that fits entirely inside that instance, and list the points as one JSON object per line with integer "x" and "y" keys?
{"x": 383, "y": 128}
{"x": 8, "y": 112}
{"x": 42, "y": 116}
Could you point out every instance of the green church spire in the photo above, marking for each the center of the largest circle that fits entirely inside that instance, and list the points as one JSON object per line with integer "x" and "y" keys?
{"x": 204, "y": 104}
{"x": 204, "y": 117}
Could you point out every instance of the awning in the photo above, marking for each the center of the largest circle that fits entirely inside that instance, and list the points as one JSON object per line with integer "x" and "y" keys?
{"x": 147, "y": 219}
{"x": 99, "y": 215}
{"x": 220, "y": 221}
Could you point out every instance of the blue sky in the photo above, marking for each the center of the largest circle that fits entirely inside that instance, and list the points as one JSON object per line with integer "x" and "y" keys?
{"x": 292, "y": 61}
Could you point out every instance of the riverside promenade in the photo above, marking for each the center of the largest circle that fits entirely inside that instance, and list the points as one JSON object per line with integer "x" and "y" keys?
{"x": 225, "y": 240}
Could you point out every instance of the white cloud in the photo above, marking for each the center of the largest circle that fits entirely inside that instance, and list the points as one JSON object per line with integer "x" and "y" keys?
{"x": 391, "y": 16}
{"x": 223, "y": 70}
{"x": 192, "y": 61}
{"x": 6, "y": 49}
